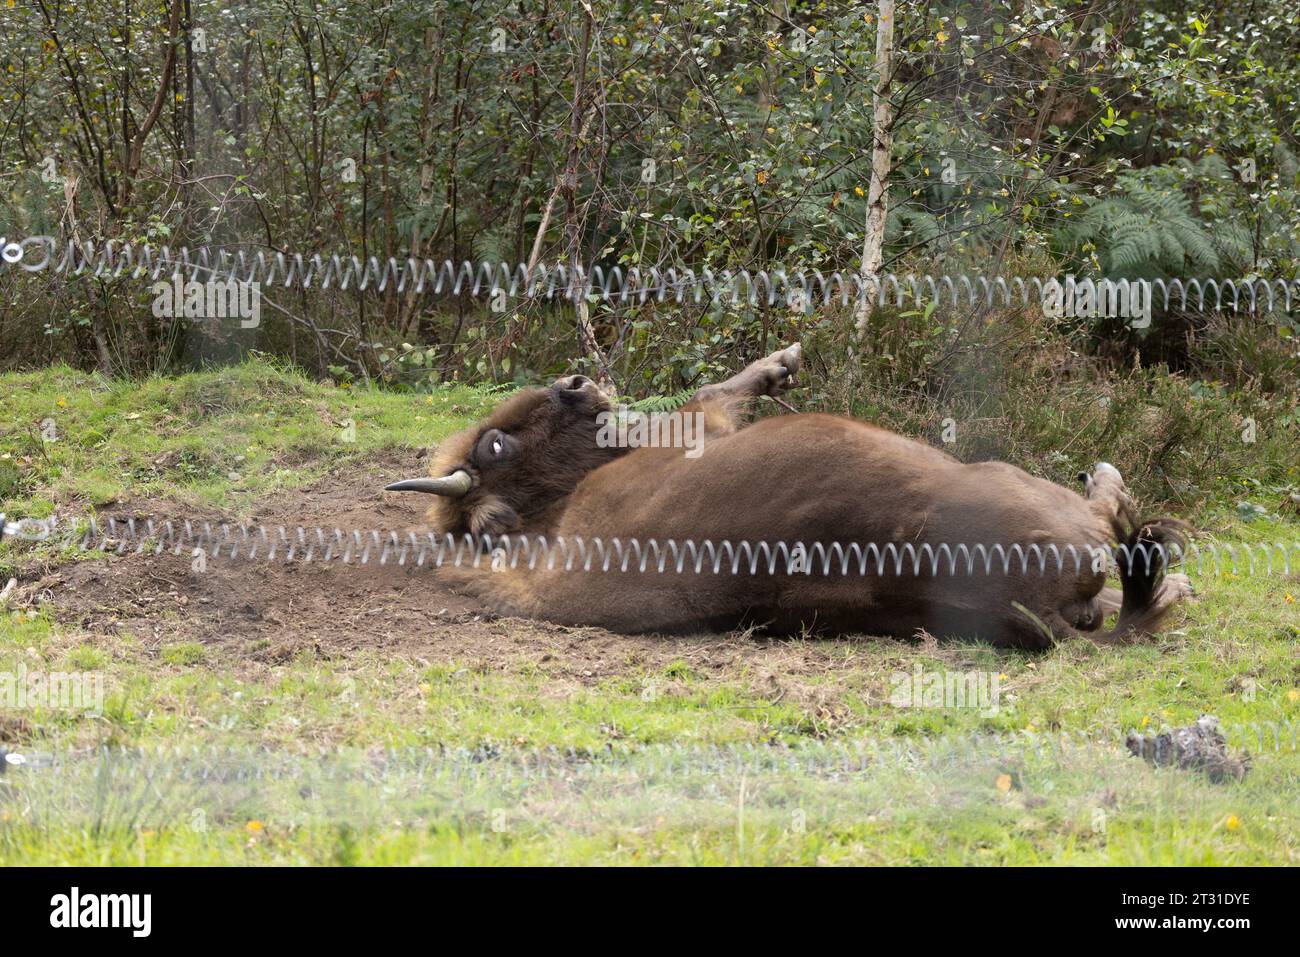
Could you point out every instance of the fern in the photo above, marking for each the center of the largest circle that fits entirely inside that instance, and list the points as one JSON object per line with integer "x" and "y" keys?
{"x": 662, "y": 403}
{"x": 911, "y": 225}
{"x": 1148, "y": 226}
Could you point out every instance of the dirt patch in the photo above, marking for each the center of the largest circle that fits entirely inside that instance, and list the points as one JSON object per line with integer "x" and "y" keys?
{"x": 269, "y": 612}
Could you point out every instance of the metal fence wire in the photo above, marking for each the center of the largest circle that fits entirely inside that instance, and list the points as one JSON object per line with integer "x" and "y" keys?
{"x": 798, "y": 288}
{"x": 357, "y": 546}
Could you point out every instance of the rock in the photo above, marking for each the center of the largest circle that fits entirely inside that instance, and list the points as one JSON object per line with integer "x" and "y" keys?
{"x": 1196, "y": 747}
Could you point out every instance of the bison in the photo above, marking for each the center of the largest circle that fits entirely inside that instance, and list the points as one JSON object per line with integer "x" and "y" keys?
{"x": 825, "y": 486}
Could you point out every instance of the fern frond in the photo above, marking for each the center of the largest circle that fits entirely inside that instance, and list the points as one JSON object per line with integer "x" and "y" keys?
{"x": 662, "y": 403}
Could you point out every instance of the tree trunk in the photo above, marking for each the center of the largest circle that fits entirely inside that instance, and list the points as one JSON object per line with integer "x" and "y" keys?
{"x": 586, "y": 333}
{"x": 873, "y": 244}
{"x": 422, "y": 240}
{"x": 133, "y": 146}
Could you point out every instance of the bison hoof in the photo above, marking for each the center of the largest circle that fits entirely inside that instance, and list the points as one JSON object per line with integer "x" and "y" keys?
{"x": 782, "y": 368}
{"x": 1103, "y": 475}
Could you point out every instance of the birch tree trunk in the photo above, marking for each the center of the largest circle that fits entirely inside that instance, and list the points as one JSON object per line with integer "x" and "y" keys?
{"x": 873, "y": 244}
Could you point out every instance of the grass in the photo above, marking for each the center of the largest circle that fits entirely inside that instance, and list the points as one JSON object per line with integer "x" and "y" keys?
{"x": 223, "y": 437}
{"x": 231, "y": 436}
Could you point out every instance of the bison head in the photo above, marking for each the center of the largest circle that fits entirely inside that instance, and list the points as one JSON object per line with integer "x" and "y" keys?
{"x": 505, "y": 474}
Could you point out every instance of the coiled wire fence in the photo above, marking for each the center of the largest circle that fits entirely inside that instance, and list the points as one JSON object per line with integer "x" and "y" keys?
{"x": 385, "y": 547}
{"x": 798, "y": 288}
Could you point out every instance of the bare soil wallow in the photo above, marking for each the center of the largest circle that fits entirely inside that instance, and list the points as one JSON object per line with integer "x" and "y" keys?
{"x": 270, "y": 611}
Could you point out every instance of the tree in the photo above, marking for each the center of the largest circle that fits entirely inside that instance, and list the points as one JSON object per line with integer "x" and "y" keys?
{"x": 882, "y": 144}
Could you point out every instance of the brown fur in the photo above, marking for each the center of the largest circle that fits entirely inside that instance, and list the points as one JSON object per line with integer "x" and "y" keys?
{"x": 556, "y": 434}
{"x": 798, "y": 478}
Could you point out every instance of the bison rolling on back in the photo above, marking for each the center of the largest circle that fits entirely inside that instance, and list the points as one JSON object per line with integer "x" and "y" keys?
{"x": 535, "y": 468}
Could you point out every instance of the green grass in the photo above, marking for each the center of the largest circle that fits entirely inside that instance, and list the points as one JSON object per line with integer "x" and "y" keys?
{"x": 222, "y": 437}
{"x": 1076, "y": 807}
{"x": 231, "y": 436}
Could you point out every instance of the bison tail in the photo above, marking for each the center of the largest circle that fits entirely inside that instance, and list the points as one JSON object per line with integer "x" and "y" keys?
{"x": 1143, "y": 561}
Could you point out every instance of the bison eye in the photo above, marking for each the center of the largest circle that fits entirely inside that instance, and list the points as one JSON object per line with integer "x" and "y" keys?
{"x": 494, "y": 448}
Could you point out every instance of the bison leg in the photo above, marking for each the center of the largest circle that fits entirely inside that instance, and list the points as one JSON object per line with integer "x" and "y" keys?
{"x": 1089, "y": 614}
{"x": 1109, "y": 600}
{"x": 1172, "y": 590}
{"x": 1034, "y": 632}
{"x": 1108, "y": 495}
{"x": 770, "y": 376}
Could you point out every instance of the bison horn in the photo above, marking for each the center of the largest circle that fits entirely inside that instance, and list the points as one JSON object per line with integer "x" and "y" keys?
{"x": 454, "y": 485}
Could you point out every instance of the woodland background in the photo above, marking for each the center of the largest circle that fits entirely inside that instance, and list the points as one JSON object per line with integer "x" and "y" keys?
{"x": 1027, "y": 138}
